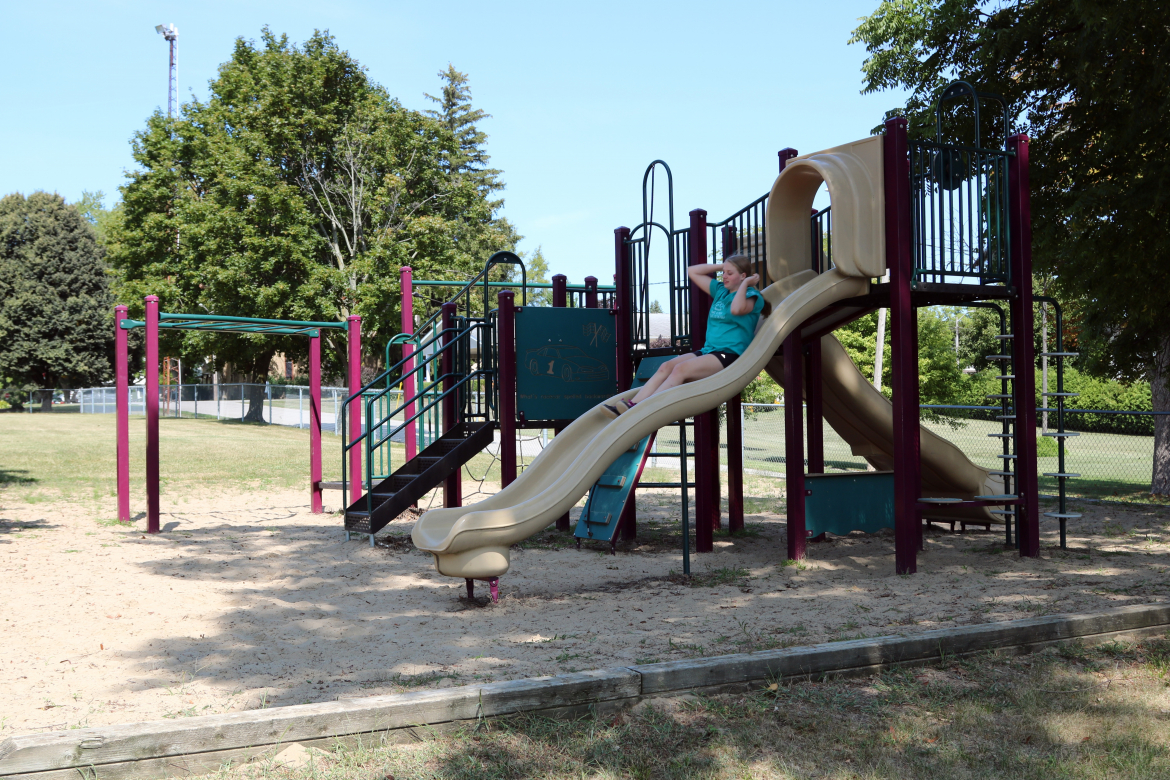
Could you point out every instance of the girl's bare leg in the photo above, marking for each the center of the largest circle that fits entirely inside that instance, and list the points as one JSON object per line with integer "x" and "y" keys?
{"x": 698, "y": 367}
{"x": 660, "y": 376}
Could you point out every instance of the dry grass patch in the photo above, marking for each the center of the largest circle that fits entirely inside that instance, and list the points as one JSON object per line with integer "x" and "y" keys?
{"x": 1075, "y": 713}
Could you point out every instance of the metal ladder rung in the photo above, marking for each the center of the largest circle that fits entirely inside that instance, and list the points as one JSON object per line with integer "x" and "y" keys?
{"x": 1068, "y": 515}
{"x": 1002, "y": 512}
{"x": 1063, "y": 395}
{"x": 999, "y": 357}
{"x": 1005, "y": 417}
{"x": 1000, "y": 395}
{"x": 1003, "y": 473}
{"x": 939, "y": 500}
{"x": 1006, "y": 336}
{"x": 606, "y": 521}
{"x": 1060, "y": 434}
{"x": 996, "y": 497}
{"x": 1060, "y": 354}
{"x": 1000, "y": 435}
{"x": 1066, "y": 475}
{"x": 1006, "y": 376}
{"x": 1006, "y": 457}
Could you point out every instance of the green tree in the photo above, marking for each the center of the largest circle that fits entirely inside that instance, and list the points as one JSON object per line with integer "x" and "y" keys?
{"x": 939, "y": 379}
{"x": 536, "y": 266}
{"x": 92, "y": 209}
{"x": 655, "y": 307}
{"x": 1089, "y": 82}
{"x": 296, "y": 191}
{"x": 468, "y": 159}
{"x": 56, "y": 310}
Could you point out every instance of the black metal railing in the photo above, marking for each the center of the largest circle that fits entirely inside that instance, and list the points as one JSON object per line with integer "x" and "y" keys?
{"x": 745, "y": 231}
{"x": 959, "y": 208}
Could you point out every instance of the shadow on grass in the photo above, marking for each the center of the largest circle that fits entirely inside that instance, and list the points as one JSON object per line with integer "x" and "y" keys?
{"x": 15, "y": 477}
{"x": 983, "y": 717}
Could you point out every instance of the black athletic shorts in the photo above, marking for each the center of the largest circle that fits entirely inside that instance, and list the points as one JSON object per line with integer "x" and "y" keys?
{"x": 725, "y": 358}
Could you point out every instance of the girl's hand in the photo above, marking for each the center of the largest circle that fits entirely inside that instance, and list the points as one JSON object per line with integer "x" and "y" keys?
{"x": 751, "y": 280}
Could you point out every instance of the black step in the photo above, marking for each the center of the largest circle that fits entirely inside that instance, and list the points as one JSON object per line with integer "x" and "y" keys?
{"x": 418, "y": 476}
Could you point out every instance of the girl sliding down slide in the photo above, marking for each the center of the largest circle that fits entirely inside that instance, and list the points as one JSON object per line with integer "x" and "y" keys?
{"x": 731, "y": 324}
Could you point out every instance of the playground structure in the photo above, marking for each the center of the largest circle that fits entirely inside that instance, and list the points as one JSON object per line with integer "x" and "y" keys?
{"x": 154, "y": 321}
{"x": 911, "y": 223}
{"x": 948, "y": 223}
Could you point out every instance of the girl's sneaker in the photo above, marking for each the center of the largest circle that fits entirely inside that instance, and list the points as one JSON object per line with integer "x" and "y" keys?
{"x": 617, "y": 408}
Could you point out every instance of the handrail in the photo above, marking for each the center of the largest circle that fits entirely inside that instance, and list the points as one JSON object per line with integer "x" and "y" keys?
{"x": 425, "y": 407}
{"x": 533, "y": 285}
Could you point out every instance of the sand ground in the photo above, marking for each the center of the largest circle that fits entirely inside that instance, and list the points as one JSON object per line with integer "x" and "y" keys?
{"x": 249, "y": 600}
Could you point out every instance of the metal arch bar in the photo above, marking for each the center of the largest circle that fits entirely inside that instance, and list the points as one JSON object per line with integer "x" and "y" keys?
{"x": 669, "y": 193}
{"x": 953, "y": 91}
{"x": 665, "y": 230}
{"x": 251, "y": 320}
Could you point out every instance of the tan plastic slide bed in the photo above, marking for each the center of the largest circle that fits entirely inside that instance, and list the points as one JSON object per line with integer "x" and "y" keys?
{"x": 474, "y": 541}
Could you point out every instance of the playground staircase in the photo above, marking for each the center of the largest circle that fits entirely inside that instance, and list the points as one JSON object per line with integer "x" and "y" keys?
{"x": 414, "y": 479}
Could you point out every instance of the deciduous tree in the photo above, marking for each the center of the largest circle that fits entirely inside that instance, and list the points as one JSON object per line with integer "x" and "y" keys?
{"x": 1089, "y": 81}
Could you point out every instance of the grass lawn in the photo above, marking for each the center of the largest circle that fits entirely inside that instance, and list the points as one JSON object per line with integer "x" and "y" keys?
{"x": 1077, "y": 713}
{"x": 46, "y": 457}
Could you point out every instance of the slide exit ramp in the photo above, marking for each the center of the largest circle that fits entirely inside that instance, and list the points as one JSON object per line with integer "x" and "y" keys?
{"x": 601, "y": 518}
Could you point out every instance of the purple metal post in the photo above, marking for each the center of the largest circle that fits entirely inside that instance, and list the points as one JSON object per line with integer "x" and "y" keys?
{"x": 406, "y": 280}
{"x": 453, "y": 486}
{"x": 794, "y": 444}
{"x": 122, "y": 405}
{"x": 734, "y": 429}
{"x": 904, "y": 346}
{"x": 151, "y": 403}
{"x": 560, "y": 292}
{"x": 590, "y": 292}
{"x": 623, "y": 309}
{"x": 559, "y": 301}
{"x": 706, "y": 505}
{"x": 354, "y": 333}
{"x": 1023, "y": 357}
{"x": 814, "y": 400}
{"x": 317, "y": 495}
{"x": 507, "y": 358}
{"x": 785, "y": 155}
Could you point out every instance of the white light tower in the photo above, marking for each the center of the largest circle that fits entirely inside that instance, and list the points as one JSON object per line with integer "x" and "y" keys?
{"x": 171, "y": 33}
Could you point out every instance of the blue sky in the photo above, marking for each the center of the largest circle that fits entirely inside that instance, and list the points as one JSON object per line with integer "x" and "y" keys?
{"x": 582, "y": 96}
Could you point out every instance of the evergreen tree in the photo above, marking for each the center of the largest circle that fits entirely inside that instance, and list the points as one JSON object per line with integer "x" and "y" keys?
{"x": 469, "y": 158}
{"x": 56, "y": 311}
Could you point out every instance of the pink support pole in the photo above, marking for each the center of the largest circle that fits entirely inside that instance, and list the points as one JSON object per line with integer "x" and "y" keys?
{"x": 404, "y": 274}
{"x": 354, "y": 330}
{"x": 152, "y": 503}
{"x": 122, "y": 404}
{"x": 315, "y": 494}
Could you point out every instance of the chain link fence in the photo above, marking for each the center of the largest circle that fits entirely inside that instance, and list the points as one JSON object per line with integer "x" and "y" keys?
{"x": 1113, "y": 452}
{"x": 286, "y": 405}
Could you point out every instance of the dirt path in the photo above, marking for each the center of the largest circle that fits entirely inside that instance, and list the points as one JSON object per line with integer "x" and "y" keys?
{"x": 249, "y": 601}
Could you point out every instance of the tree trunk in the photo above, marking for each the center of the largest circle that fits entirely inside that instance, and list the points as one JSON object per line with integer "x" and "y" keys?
{"x": 46, "y": 400}
{"x": 1160, "y": 390}
{"x": 256, "y": 395}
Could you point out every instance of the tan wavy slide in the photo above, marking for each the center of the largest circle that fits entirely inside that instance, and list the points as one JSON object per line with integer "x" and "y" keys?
{"x": 864, "y": 418}
{"x": 474, "y": 541}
